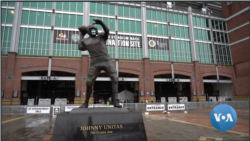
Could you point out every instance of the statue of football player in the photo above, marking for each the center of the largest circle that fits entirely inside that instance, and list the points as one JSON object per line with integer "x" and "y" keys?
{"x": 95, "y": 44}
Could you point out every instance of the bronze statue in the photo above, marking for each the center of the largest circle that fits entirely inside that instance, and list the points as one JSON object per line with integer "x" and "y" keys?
{"x": 95, "y": 44}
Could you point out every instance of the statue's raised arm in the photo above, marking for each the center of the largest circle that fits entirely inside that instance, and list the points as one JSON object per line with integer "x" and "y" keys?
{"x": 105, "y": 28}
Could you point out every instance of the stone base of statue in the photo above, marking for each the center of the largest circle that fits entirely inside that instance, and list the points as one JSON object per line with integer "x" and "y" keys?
{"x": 102, "y": 123}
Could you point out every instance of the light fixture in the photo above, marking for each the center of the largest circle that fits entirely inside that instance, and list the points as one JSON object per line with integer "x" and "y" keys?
{"x": 12, "y": 12}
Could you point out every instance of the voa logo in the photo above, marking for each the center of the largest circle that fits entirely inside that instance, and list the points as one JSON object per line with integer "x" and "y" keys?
{"x": 223, "y": 117}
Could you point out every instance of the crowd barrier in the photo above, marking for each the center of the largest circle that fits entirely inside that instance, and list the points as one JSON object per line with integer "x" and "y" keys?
{"x": 22, "y": 109}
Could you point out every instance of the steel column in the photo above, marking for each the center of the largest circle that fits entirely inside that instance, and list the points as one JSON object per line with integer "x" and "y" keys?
{"x": 191, "y": 33}
{"x": 16, "y": 27}
{"x": 144, "y": 30}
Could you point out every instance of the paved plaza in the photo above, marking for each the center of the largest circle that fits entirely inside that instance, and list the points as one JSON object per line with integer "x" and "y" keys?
{"x": 194, "y": 125}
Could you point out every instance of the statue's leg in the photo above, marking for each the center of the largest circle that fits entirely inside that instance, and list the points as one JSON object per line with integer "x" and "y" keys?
{"x": 111, "y": 71}
{"x": 92, "y": 75}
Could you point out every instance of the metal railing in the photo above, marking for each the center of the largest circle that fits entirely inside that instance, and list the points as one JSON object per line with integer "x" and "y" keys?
{"x": 21, "y": 110}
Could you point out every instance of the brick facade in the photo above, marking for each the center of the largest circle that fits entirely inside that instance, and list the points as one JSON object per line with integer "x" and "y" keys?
{"x": 145, "y": 69}
{"x": 240, "y": 51}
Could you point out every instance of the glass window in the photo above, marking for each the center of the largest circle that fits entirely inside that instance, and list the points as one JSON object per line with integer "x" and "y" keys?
{"x": 120, "y": 25}
{"x": 92, "y": 7}
{"x": 165, "y": 30}
{"x": 220, "y": 25}
{"x": 176, "y": 18}
{"x": 33, "y": 4}
{"x": 213, "y": 24}
{"x": 153, "y": 15}
{"x": 207, "y": 23}
{"x": 59, "y": 6}
{"x": 80, "y": 7}
{"x": 49, "y": 5}
{"x": 182, "y": 32}
{"x": 185, "y": 19}
{"x": 200, "y": 34}
{"x": 65, "y": 6}
{"x": 132, "y": 26}
{"x": 65, "y": 20}
{"x": 32, "y": 18}
{"x": 159, "y": 16}
{"x": 138, "y": 13}
{"x": 4, "y": 3}
{"x": 177, "y": 31}
{"x": 25, "y": 4}
{"x": 112, "y": 24}
{"x": 154, "y": 28}
{"x": 160, "y": 29}
{"x": 73, "y": 6}
{"x": 10, "y": 16}
{"x": 203, "y": 22}
{"x": 149, "y": 28}
{"x": 111, "y": 9}
{"x": 181, "y": 19}
{"x": 171, "y": 17}
{"x": 127, "y": 25}
{"x": 41, "y": 5}
{"x": 172, "y": 30}
{"x": 138, "y": 26}
{"x": 148, "y": 14}
{"x": 132, "y": 12}
{"x": 99, "y": 8}
{"x": 204, "y": 32}
{"x": 11, "y": 3}
{"x": 224, "y": 26}
{"x": 208, "y": 35}
{"x": 72, "y": 21}
{"x": 164, "y": 16}
{"x": 3, "y": 14}
{"x": 196, "y": 34}
{"x": 186, "y": 32}
{"x": 58, "y": 20}
{"x": 105, "y": 9}
{"x": 40, "y": 18}
{"x": 126, "y": 11}
{"x": 120, "y": 11}
{"x": 79, "y": 20}
{"x": 198, "y": 21}
{"x": 194, "y": 21}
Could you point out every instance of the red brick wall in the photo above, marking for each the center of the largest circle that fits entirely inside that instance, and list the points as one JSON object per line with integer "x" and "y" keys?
{"x": 239, "y": 34}
{"x": 242, "y": 75}
{"x": 233, "y": 8}
{"x": 240, "y": 52}
{"x": 143, "y": 69}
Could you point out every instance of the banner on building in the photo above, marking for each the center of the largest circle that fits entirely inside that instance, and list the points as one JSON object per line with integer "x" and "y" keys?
{"x": 176, "y": 106}
{"x": 66, "y": 37}
{"x": 73, "y": 37}
{"x": 126, "y": 41}
{"x": 158, "y": 43}
{"x": 156, "y": 107}
{"x": 38, "y": 110}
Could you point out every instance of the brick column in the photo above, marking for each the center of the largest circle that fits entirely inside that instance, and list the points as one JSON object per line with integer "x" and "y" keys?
{"x": 81, "y": 79}
{"x": 198, "y": 83}
{"x": 10, "y": 78}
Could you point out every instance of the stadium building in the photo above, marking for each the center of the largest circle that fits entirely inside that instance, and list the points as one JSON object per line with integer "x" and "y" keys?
{"x": 167, "y": 49}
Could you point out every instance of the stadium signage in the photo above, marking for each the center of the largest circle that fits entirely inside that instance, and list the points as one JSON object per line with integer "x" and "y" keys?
{"x": 158, "y": 43}
{"x": 156, "y": 107}
{"x": 176, "y": 106}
